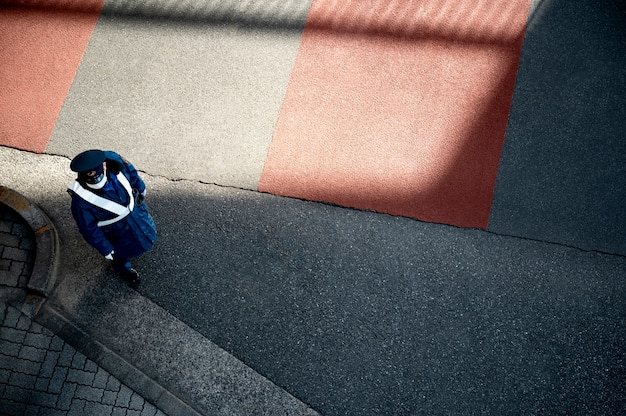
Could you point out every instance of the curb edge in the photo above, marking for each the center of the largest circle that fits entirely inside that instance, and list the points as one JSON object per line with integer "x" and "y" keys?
{"x": 131, "y": 376}
{"x": 44, "y": 274}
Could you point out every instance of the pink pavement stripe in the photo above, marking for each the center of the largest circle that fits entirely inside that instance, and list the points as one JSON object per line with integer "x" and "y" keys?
{"x": 399, "y": 107}
{"x": 41, "y": 45}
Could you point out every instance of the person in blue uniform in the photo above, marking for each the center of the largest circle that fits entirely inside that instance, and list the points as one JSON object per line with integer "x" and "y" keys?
{"x": 109, "y": 208}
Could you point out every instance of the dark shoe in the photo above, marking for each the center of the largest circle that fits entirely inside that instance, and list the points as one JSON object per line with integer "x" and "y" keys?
{"x": 132, "y": 277}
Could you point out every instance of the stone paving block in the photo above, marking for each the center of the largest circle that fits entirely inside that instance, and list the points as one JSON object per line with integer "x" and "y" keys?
{"x": 65, "y": 398}
{"x": 42, "y": 384}
{"x": 4, "y": 375}
{"x": 25, "y": 381}
{"x": 66, "y": 357}
{"x": 80, "y": 377}
{"x": 43, "y": 399}
{"x": 56, "y": 344}
{"x": 56, "y": 385}
{"x": 38, "y": 340}
{"x": 101, "y": 379}
{"x": 23, "y": 323}
{"x": 32, "y": 354}
{"x": 78, "y": 362}
{"x": 5, "y": 266}
{"x": 90, "y": 366}
{"x": 8, "y": 315}
{"x": 32, "y": 410}
{"x": 36, "y": 328}
{"x": 97, "y": 409}
{"x": 11, "y": 273}
{"x": 54, "y": 412}
{"x": 89, "y": 393}
{"x": 118, "y": 411}
{"x": 148, "y": 410}
{"x": 23, "y": 270}
{"x": 23, "y": 366}
{"x": 123, "y": 397}
{"x": 77, "y": 408}
{"x": 11, "y": 407}
{"x": 136, "y": 402}
{"x": 17, "y": 394}
{"x": 109, "y": 397}
{"x": 13, "y": 253}
{"x": 9, "y": 348}
{"x": 58, "y": 380}
{"x": 13, "y": 335}
{"x": 6, "y": 226}
{"x": 6, "y": 362}
{"x": 113, "y": 384}
{"x": 9, "y": 240}
{"x": 49, "y": 364}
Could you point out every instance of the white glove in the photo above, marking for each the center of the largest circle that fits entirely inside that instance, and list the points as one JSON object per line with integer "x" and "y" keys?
{"x": 109, "y": 256}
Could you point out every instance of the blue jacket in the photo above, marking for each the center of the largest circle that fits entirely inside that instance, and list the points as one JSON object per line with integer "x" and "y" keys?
{"x": 129, "y": 237}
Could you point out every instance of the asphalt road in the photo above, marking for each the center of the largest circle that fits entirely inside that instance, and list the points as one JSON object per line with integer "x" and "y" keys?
{"x": 360, "y": 313}
{"x": 258, "y": 304}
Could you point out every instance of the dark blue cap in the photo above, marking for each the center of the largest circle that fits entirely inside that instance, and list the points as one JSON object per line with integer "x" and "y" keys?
{"x": 88, "y": 161}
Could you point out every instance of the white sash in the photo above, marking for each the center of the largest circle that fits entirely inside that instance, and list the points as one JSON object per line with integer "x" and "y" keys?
{"x": 120, "y": 210}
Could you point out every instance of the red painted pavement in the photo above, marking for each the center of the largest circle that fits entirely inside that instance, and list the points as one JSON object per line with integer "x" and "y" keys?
{"x": 399, "y": 107}
{"x": 41, "y": 45}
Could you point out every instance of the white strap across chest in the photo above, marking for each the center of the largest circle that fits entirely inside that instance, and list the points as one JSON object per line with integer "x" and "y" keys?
{"x": 120, "y": 210}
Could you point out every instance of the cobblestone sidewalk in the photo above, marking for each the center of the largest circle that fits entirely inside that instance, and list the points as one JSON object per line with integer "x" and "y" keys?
{"x": 17, "y": 249}
{"x": 40, "y": 374}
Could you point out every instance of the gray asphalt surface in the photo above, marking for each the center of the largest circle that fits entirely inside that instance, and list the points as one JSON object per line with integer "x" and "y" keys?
{"x": 562, "y": 175}
{"x": 360, "y": 313}
{"x": 257, "y": 304}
